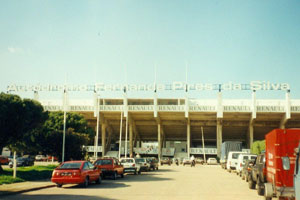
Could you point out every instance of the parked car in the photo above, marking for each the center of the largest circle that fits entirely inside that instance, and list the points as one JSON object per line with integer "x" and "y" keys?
{"x": 110, "y": 167}
{"x": 153, "y": 163}
{"x": 241, "y": 162}
{"x": 40, "y": 158}
{"x": 76, "y": 172}
{"x": 3, "y": 160}
{"x": 232, "y": 160}
{"x": 199, "y": 161}
{"x": 258, "y": 174}
{"x": 212, "y": 161}
{"x": 21, "y": 162}
{"x": 131, "y": 166}
{"x": 186, "y": 161}
{"x": 165, "y": 160}
{"x": 29, "y": 160}
{"x": 246, "y": 171}
{"x": 50, "y": 158}
{"x": 145, "y": 166}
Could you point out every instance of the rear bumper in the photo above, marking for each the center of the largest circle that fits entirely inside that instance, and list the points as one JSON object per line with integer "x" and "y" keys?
{"x": 285, "y": 192}
{"x": 68, "y": 180}
{"x": 144, "y": 168}
{"x": 130, "y": 170}
{"x": 107, "y": 172}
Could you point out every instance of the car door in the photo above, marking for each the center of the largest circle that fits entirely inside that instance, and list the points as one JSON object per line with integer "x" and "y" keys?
{"x": 93, "y": 173}
{"x": 297, "y": 176}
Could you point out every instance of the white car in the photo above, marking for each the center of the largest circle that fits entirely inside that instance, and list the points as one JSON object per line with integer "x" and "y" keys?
{"x": 212, "y": 161}
{"x": 40, "y": 158}
{"x": 131, "y": 166}
{"x": 241, "y": 161}
{"x": 232, "y": 160}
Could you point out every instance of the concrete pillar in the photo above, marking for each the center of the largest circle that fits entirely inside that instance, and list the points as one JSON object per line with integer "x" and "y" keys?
{"x": 250, "y": 135}
{"x": 103, "y": 132}
{"x": 219, "y": 137}
{"x": 159, "y": 141}
{"x": 188, "y": 138}
{"x": 131, "y": 140}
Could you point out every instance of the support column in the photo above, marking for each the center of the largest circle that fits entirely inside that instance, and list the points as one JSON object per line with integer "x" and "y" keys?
{"x": 188, "y": 137}
{"x": 287, "y": 114}
{"x": 219, "y": 137}
{"x": 159, "y": 141}
{"x": 131, "y": 139}
{"x": 103, "y": 132}
{"x": 250, "y": 134}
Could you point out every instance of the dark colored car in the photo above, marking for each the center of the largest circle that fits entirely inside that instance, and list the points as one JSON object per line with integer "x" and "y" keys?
{"x": 110, "y": 167}
{"x": 166, "y": 161}
{"x": 247, "y": 170}
{"x": 258, "y": 174}
{"x": 29, "y": 160}
{"x": 20, "y": 162}
{"x": 153, "y": 163}
{"x": 76, "y": 172}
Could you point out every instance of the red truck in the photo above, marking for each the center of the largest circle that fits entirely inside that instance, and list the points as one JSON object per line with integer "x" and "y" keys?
{"x": 280, "y": 163}
{"x": 110, "y": 167}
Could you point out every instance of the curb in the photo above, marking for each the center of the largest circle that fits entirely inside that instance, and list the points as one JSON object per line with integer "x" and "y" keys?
{"x": 25, "y": 190}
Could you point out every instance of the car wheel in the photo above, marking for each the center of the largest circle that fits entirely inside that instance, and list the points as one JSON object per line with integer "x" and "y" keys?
{"x": 260, "y": 188}
{"x": 99, "y": 180}
{"x": 58, "y": 185}
{"x": 115, "y": 175}
{"x": 86, "y": 182}
{"x": 135, "y": 172}
{"x": 251, "y": 183}
{"x": 122, "y": 175}
{"x": 139, "y": 172}
{"x": 156, "y": 168}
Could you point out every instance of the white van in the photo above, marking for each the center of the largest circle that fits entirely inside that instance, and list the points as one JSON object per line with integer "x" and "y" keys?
{"x": 232, "y": 159}
{"x": 241, "y": 161}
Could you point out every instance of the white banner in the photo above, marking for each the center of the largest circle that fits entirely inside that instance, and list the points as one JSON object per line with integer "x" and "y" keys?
{"x": 212, "y": 151}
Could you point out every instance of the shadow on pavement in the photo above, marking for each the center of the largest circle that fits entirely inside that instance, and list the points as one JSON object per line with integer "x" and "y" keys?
{"x": 54, "y": 196}
{"x": 105, "y": 185}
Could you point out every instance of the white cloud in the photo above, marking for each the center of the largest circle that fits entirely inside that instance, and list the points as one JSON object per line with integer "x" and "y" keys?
{"x": 14, "y": 49}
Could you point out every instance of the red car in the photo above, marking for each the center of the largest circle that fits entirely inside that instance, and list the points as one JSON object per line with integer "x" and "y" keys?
{"x": 3, "y": 160}
{"x": 76, "y": 172}
{"x": 110, "y": 167}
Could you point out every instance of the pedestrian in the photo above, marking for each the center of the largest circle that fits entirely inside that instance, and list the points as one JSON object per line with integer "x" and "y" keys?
{"x": 193, "y": 161}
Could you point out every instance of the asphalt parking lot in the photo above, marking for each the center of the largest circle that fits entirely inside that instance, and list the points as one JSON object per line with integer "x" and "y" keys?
{"x": 169, "y": 182}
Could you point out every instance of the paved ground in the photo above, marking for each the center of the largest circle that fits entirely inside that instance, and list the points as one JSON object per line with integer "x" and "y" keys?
{"x": 169, "y": 182}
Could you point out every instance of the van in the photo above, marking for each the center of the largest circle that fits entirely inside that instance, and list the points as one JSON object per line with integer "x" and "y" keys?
{"x": 241, "y": 162}
{"x": 232, "y": 160}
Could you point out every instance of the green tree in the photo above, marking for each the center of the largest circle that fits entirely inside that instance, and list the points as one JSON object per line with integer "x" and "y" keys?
{"x": 17, "y": 118}
{"x": 258, "y": 146}
{"x": 78, "y": 134}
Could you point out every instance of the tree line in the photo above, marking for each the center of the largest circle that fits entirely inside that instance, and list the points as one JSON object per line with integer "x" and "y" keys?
{"x": 27, "y": 128}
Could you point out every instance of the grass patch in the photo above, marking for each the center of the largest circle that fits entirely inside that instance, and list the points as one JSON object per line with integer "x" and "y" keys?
{"x": 31, "y": 173}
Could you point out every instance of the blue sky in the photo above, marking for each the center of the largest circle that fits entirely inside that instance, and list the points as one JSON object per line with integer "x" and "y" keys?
{"x": 94, "y": 41}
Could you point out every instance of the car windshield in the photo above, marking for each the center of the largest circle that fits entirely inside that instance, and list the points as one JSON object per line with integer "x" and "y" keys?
{"x": 70, "y": 166}
{"x": 245, "y": 158}
{"x": 253, "y": 157}
{"x": 103, "y": 162}
{"x": 139, "y": 160}
{"x": 20, "y": 159}
{"x": 127, "y": 161}
{"x": 235, "y": 155}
